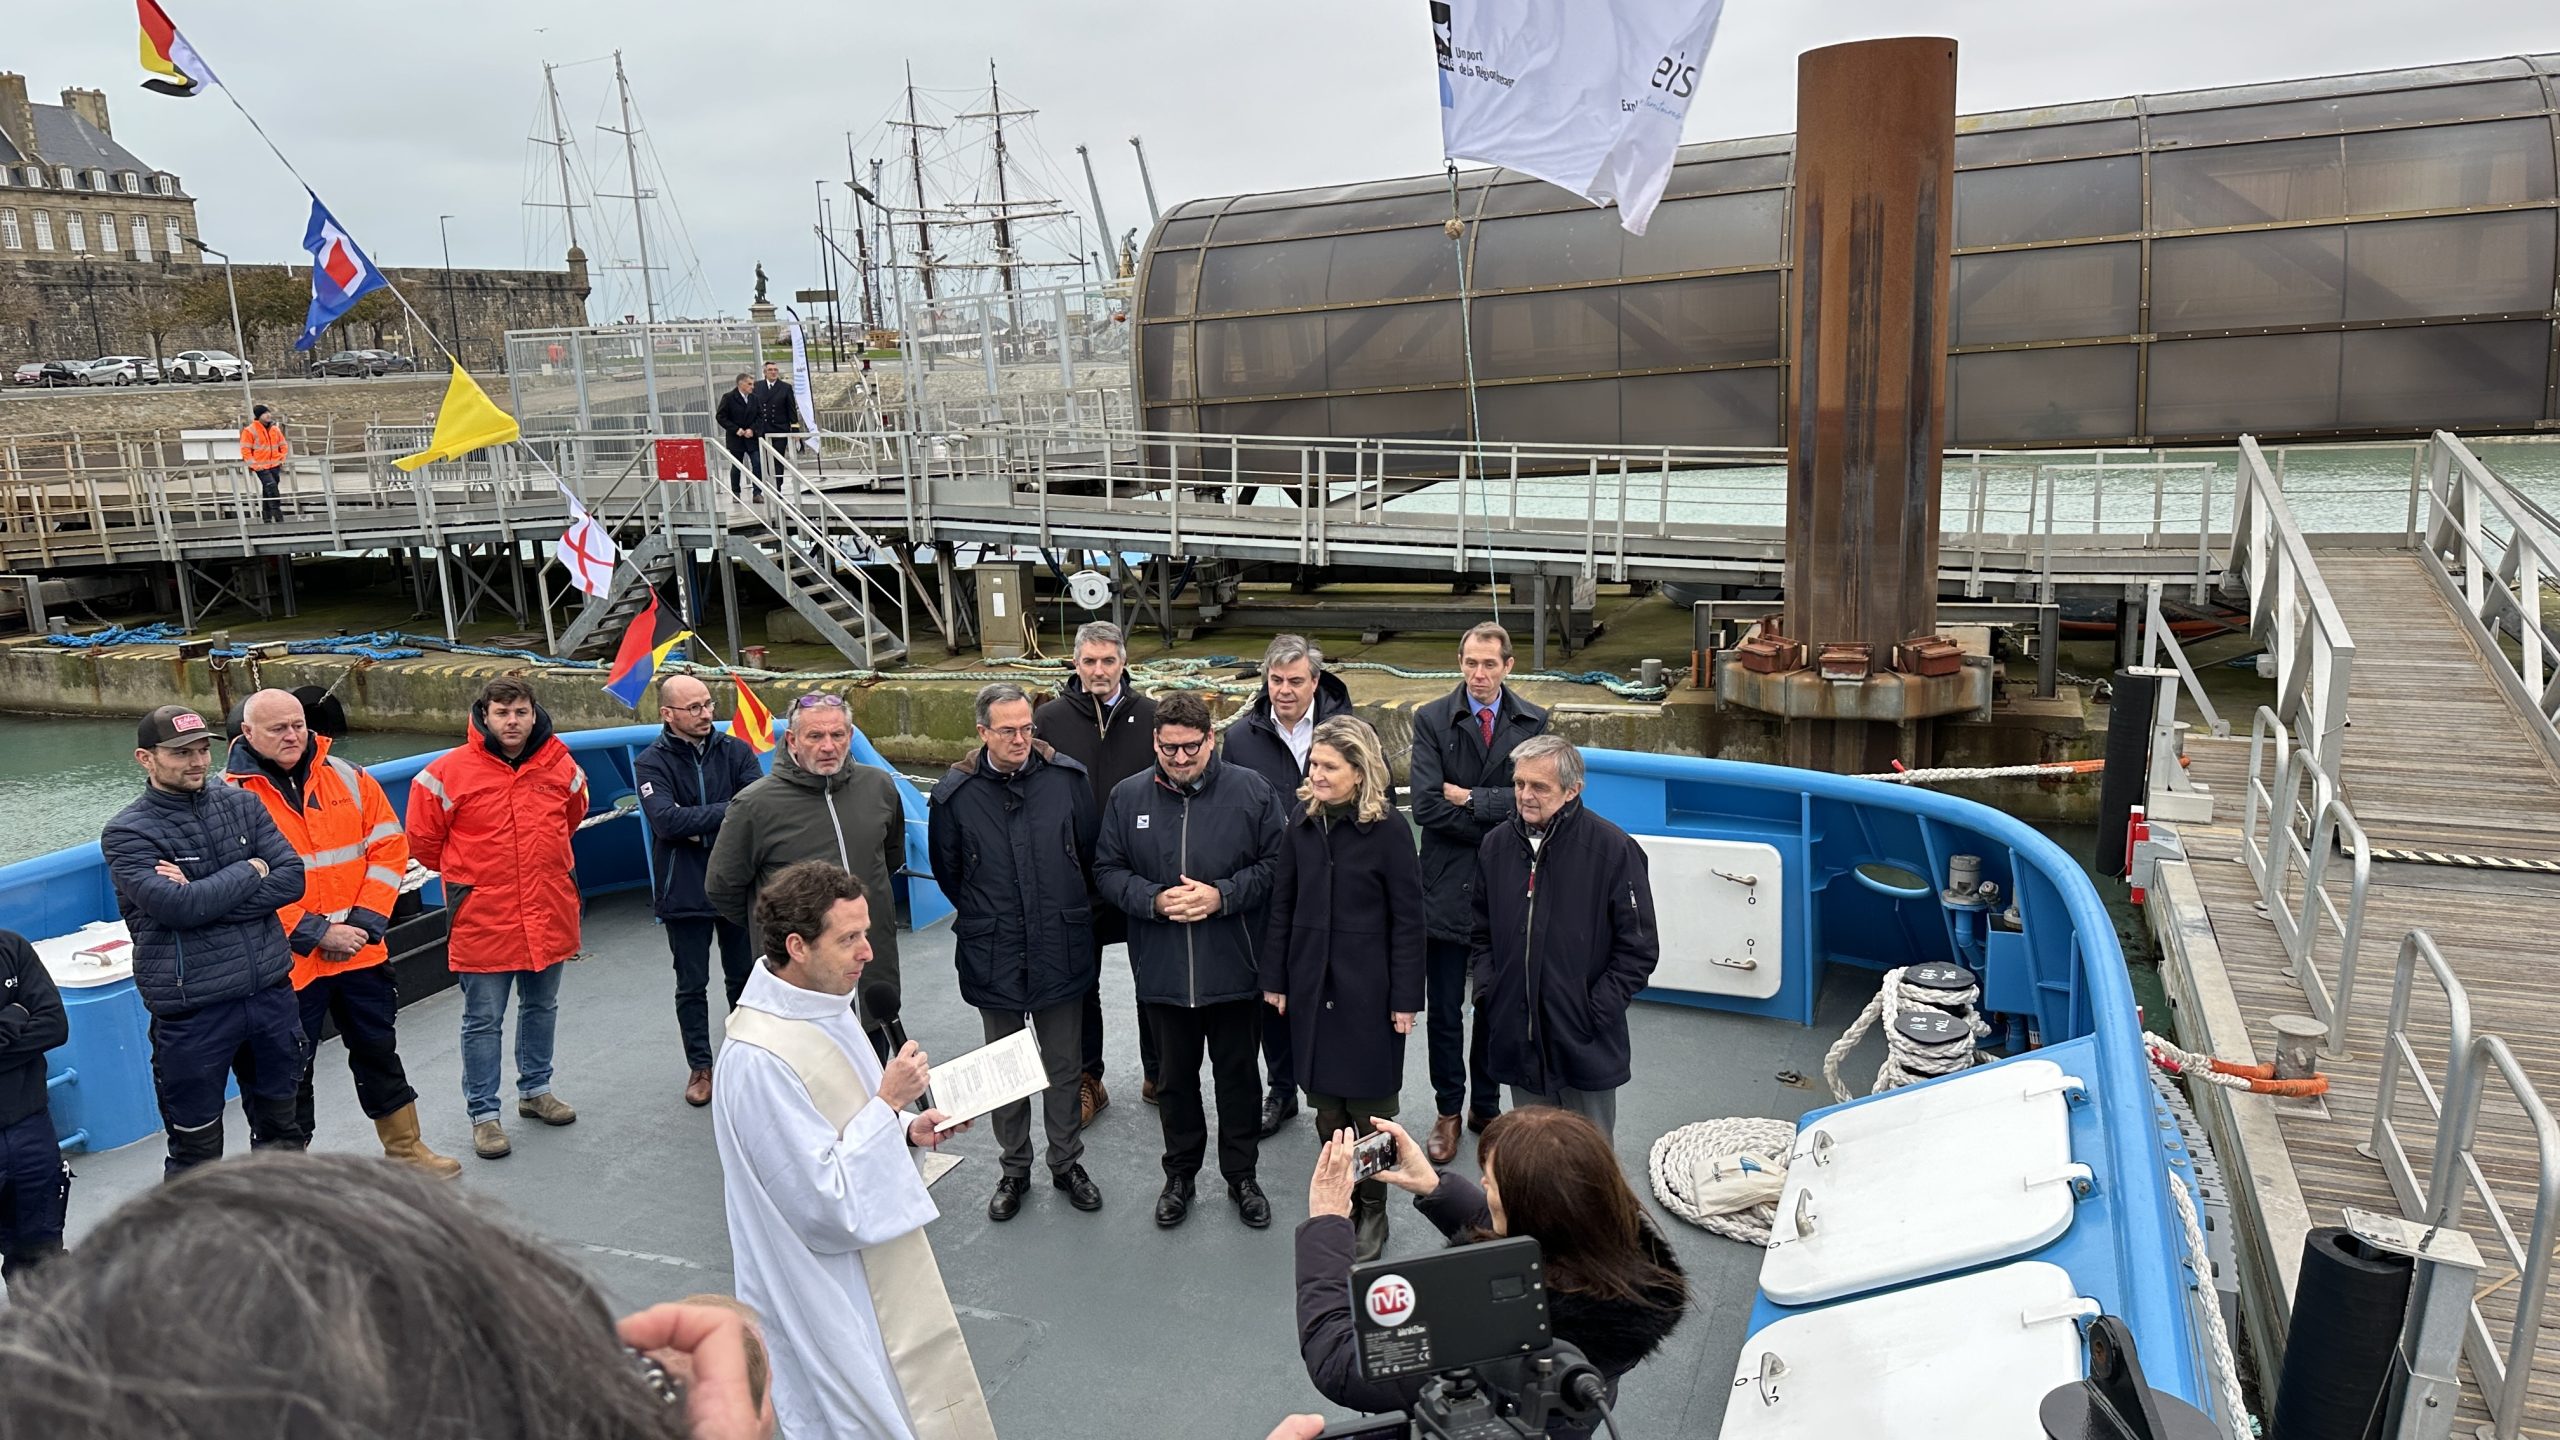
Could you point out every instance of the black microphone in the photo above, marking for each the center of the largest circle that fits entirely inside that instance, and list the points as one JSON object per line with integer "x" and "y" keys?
{"x": 878, "y": 1000}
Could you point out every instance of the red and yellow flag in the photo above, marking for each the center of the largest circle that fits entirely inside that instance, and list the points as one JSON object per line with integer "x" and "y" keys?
{"x": 175, "y": 67}
{"x": 754, "y": 723}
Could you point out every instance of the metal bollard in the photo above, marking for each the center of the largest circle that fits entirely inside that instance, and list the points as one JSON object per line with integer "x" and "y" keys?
{"x": 2298, "y": 1041}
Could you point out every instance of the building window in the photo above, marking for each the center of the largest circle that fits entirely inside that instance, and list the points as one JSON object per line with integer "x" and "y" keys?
{"x": 64, "y": 174}
{"x": 167, "y": 184}
{"x": 97, "y": 179}
{"x": 107, "y": 233}
{"x": 35, "y": 176}
{"x": 132, "y": 183}
{"x": 9, "y": 229}
{"x": 141, "y": 238}
{"x": 44, "y": 229}
{"x": 176, "y": 243}
{"x": 76, "y": 230}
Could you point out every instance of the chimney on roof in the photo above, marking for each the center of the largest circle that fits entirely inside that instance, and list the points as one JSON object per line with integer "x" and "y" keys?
{"x": 17, "y": 117}
{"x": 89, "y": 105}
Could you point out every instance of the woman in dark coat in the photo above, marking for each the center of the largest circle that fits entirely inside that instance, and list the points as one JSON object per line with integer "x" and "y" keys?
{"x": 1344, "y": 954}
{"x": 1614, "y": 1290}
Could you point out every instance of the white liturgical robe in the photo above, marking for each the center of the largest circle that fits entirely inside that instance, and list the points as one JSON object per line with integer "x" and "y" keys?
{"x": 825, "y": 1222}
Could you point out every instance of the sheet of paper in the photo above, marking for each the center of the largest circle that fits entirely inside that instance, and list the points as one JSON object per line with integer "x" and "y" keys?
{"x": 935, "y": 1165}
{"x": 998, "y": 1074}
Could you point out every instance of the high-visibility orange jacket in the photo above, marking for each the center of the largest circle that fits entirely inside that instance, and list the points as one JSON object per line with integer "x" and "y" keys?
{"x": 500, "y": 831}
{"x": 263, "y": 445}
{"x": 353, "y": 855}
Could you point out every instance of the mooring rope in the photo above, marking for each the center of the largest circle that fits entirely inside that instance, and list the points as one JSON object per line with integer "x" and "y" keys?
{"x": 2468, "y": 862}
{"x": 1906, "y": 1060}
{"x": 2226, "y": 1371}
{"x": 2229, "y": 1074}
{"x": 2053, "y": 770}
{"x": 1689, "y": 1163}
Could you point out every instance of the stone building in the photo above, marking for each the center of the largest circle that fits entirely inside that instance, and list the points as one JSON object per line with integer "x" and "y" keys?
{"x": 96, "y": 253}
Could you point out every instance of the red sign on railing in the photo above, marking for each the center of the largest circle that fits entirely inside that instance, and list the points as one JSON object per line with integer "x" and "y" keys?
{"x": 683, "y": 460}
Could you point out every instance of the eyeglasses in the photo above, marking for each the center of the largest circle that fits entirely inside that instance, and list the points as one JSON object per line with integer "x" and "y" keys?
{"x": 1181, "y": 750}
{"x": 818, "y": 701}
{"x": 1009, "y": 732}
{"x": 699, "y": 707}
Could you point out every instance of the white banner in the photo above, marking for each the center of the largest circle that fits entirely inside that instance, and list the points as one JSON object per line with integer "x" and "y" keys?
{"x": 588, "y": 554}
{"x": 800, "y": 385}
{"x": 1588, "y": 95}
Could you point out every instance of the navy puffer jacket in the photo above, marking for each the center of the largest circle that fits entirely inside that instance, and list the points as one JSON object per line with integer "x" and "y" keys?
{"x": 216, "y": 937}
{"x": 1013, "y": 854}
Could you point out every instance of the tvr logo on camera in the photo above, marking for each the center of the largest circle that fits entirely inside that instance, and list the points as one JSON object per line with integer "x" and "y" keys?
{"x": 1390, "y": 1300}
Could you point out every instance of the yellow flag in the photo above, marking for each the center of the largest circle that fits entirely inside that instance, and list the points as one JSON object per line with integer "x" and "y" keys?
{"x": 468, "y": 420}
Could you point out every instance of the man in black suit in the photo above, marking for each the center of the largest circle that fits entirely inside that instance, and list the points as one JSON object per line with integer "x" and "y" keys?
{"x": 777, "y": 415}
{"x": 738, "y": 428}
{"x": 1462, "y": 744}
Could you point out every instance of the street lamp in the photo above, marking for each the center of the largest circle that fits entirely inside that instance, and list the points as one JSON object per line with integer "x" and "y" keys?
{"x": 239, "y": 342}
{"x": 452, "y": 322}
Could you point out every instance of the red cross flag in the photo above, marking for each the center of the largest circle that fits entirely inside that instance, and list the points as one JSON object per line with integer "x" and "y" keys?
{"x": 587, "y": 553}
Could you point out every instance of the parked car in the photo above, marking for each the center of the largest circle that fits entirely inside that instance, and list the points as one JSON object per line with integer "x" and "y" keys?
{"x": 346, "y": 362}
{"x": 105, "y": 370}
{"x": 132, "y": 369}
{"x": 209, "y": 365}
{"x": 31, "y": 373}
{"x": 388, "y": 362}
{"x": 63, "y": 372}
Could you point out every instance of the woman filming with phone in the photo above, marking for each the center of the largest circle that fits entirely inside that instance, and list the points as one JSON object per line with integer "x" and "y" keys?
{"x": 1614, "y": 1290}
{"x": 1343, "y": 962}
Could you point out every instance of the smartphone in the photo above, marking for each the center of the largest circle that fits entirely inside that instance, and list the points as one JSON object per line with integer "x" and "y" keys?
{"x": 1372, "y": 1155}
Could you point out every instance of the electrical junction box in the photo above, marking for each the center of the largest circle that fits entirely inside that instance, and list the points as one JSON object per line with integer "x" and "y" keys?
{"x": 1004, "y": 608}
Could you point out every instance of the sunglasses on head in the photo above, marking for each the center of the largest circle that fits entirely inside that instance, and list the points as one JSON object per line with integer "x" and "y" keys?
{"x": 818, "y": 701}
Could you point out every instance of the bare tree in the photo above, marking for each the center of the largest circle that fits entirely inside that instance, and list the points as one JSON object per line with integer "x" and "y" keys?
{"x": 160, "y": 312}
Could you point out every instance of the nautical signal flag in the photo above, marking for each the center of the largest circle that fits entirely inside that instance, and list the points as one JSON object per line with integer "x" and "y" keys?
{"x": 340, "y": 275}
{"x": 754, "y": 723}
{"x": 175, "y": 67}
{"x": 468, "y": 420}
{"x": 587, "y": 553}
{"x": 645, "y": 645}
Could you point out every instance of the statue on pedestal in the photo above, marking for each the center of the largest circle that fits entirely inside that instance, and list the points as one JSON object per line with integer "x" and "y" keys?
{"x": 760, "y": 283}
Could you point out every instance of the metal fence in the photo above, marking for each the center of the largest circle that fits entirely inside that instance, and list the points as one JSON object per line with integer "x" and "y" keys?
{"x": 2495, "y": 552}
{"x": 2291, "y": 613}
{"x": 2308, "y": 828}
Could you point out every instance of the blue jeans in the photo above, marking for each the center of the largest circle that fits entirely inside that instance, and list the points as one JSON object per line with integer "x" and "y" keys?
{"x": 484, "y": 1017}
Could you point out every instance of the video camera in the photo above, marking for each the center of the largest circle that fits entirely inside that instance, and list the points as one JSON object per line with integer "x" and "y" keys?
{"x": 1474, "y": 1318}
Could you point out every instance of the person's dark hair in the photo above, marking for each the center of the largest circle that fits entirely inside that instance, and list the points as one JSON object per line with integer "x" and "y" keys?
{"x": 796, "y": 901}
{"x": 1561, "y": 1183}
{"x": 1183, "y": 710}
{"x": 504, "y": 690}
{"x": 318, "y": 1296}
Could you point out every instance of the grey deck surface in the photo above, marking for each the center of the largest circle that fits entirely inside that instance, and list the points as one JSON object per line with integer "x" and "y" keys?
{"x": 1081, "y": 1325}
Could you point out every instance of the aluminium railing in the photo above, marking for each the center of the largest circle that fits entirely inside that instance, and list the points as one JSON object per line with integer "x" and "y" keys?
{"x": 2504, "y": 1371}
{"x": 2291, "y": 613}
{"x": 2491, "y": 548}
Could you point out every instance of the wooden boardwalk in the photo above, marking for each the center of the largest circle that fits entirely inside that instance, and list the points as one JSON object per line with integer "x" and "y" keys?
{"x": 2436, "y": 758}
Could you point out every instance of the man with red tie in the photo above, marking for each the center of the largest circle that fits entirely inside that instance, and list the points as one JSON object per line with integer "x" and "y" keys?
{"x": 1462, "y": 744}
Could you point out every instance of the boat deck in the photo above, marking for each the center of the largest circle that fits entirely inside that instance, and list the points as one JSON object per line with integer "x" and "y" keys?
{"x": 2435, "y": 758}
{"x": 1081, "y": 1325}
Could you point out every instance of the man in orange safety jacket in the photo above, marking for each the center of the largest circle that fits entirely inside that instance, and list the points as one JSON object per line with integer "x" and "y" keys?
{"x": 264, "y": 448}
{"x": 353, "y": 856}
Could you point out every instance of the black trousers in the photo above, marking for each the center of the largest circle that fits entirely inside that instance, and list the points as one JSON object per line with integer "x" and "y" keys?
{"x": 689, "y": 938}
{"x": 1457, "y": 1058}
{"x": 1093, "y": 1027}
{"x": 192, "y": 1053}
{"x": 271, "y": 507}
{"x": 366, "y": 1005}
{"x": 35, "y": 1194}
{"x": 1276, "y": 1061}
{"x": 1229, "y": 1031}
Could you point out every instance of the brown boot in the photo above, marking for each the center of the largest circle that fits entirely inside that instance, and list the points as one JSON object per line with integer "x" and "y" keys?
{"x": 1091, "y": 1098}
{"x": 400, "y": 1141}
{"x": 697, "y": 1087}
{"x": 1442, "y": 1147}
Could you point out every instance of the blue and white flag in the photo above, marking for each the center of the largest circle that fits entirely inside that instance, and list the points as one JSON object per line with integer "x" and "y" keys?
{"x": 341, "y": 274}
{"x": 1589, "y": 96}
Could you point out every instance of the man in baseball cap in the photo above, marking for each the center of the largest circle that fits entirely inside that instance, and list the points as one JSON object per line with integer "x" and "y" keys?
{"x": 200, "y": 872}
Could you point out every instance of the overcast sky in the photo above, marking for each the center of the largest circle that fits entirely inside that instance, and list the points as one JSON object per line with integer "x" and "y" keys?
{"x": 400, "y": 112}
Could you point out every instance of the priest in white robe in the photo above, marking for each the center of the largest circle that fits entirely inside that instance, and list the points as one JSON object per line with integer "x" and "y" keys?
{"x": 826, "y": 1206}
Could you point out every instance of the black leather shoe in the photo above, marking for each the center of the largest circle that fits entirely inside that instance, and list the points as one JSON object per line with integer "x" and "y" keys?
{"x": 1174, "y": 1203}
{"x": 1007, "y": 1201}
{"x": 1277, "y": 1111}
{"x": 1082, "y": 1193}
{"x": 1478, "y": 1119}
{"x": 1251, "y": 1203}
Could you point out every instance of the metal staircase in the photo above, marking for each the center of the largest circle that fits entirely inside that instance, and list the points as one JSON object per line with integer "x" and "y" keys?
{"x": 804, "y": 578}
{"x": 600, "y": 624}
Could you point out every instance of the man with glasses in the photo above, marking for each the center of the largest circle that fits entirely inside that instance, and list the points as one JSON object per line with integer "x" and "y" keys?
{"x": 1012, "y": 832}
{"x": 1101, "y": 720}
{"x": 1188, "y": 852}
{"x": 687, "y": 779}
{"x": 818, "y": 804}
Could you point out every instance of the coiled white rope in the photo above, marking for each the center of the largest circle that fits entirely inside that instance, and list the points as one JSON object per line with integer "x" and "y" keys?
{"x": 2226, "y": 1372}
{"x": 1690, "y": 1164}
{"x": 1907, "y": 1061}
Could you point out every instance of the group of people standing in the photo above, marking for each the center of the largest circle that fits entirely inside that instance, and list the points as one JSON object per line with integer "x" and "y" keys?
{"x": 755, "y": 415}
{"x": 1280, "y": 921}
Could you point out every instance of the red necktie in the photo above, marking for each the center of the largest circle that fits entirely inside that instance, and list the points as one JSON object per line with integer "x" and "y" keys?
{"x": 1484, "y": 722}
